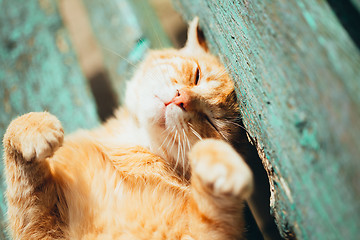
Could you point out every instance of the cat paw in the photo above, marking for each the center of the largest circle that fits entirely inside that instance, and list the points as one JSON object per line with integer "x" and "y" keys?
{"x": 35, "y": 135}
{"x": 221, "y": 169}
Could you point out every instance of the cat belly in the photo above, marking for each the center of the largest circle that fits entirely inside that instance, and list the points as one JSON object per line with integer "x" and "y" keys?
{"x": 119, "y": 209}
{"x": 111, "y": 206}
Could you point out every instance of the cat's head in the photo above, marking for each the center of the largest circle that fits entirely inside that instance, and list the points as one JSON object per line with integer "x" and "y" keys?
{"x": 181, "y": 96}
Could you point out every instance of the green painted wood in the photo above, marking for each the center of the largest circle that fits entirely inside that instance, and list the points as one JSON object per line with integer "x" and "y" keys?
{"x": 150, "y": 25}
{"x": 356, "y": 3}
{"x": 39, "y": 71}
{"x": 298, "y": 80}
{"x": 125, "y": 30}
{"x": 348, "y": 14}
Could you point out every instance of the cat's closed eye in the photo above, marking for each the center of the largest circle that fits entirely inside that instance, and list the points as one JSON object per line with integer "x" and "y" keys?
{"x": 197, "y": 76}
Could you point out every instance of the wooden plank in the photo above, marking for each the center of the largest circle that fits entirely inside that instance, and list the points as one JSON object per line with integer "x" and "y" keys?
{"x": 298, "y": 81}
{"x": 356, "y": 4}
{"x": 125, "y": 30}
{"x": 39, "y": 71}
{"x": 348, "y": 14}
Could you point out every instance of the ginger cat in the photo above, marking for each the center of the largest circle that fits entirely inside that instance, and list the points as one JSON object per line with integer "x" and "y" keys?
{"x": 163, "y": 168}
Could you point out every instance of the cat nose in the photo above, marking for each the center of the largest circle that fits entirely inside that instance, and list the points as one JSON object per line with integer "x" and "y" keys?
{"x": 182, "y": 99}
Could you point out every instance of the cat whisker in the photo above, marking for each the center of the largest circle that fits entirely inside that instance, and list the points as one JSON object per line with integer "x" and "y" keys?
{"x": 213, "y": 124}
{"x": 172, "y": 145}
{"x": 183, "y": 153}
{"x": 167, "y": 136}
{"x": 133, "y": 64}
{"x": 157, "y": 37}
{"x": 237, "y": 118}
{"x": 117, "y": 54}
{"x": 194, "y": 131}
{"x": 221, "y": 74}
{"x": 173, "y": 141}
{"x": 227, "y": 68}
{"x": 239, "y": 125}
{"x": 187, "y": 140}
{"x": 118, "y": 187}
{"x": 178, "y": 151}
{"x": 148, "y": 16}
{"x": 170, "y": 134}
{"x": 234, "y": 123}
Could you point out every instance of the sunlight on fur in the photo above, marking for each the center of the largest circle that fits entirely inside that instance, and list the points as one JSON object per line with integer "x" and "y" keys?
{"x": 163, "y": 168}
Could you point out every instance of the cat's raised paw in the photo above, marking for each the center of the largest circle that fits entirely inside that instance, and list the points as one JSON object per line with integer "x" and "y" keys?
{"x": 220, "y": 168}
{"x": 34, "y": 135}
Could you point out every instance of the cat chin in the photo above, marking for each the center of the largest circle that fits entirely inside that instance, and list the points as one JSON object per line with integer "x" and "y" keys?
{"x": 175, "y": 117}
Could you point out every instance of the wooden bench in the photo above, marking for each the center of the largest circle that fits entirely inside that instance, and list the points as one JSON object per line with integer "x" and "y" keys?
{"x": 296, "y": 65}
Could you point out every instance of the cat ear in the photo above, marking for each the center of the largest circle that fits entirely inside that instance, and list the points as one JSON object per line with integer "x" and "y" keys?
{"x": 196, "y": 40}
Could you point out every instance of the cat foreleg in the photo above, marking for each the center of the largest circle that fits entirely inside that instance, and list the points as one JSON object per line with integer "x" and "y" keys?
{"x": 220, "y": 182}
{"x": 32, "y": 194}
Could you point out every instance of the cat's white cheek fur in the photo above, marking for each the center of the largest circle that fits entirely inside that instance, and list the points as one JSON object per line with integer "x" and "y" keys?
{"x": 175, "y": 117}
{"x": 140, "y": 100}
{"x": 151, "y": 110}
{"x": 146, "y": 97}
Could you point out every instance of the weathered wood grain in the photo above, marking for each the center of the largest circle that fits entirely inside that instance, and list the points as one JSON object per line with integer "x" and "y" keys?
{"x": 125, "y": 30}
{"x": 39, "y": 71}
{"x": 298, "y": 80}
